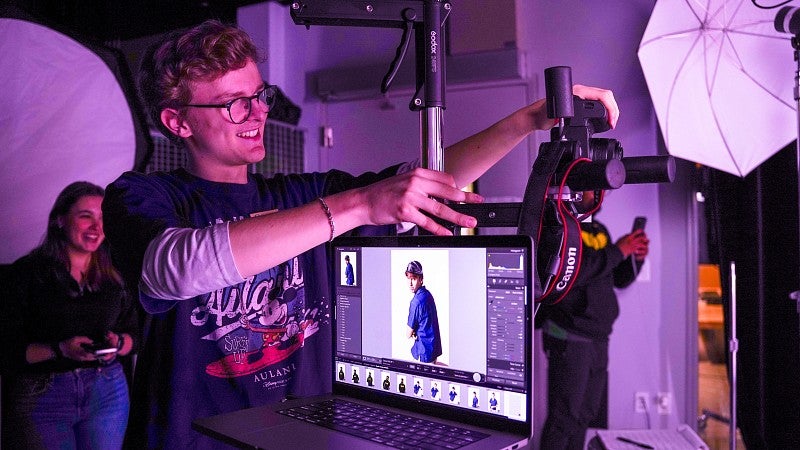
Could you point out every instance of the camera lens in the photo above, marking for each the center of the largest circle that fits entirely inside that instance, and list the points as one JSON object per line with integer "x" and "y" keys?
{"x": 602, "y": 149}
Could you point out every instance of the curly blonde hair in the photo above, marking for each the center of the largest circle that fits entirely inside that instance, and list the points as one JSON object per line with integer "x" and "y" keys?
{"x": 201, "y": 53}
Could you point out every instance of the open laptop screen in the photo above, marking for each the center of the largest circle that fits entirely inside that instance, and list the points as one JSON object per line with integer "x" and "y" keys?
{"x": 461, "y": 342}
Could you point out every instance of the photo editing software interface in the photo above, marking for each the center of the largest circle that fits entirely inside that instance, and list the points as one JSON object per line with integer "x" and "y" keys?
{"x": 383, "y": 317}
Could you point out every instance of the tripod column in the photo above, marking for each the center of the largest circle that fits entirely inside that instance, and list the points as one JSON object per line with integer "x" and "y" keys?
{"x": 433, "y": 45}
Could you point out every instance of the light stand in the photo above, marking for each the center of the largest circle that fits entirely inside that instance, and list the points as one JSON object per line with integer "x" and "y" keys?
{"x": 788, "y": 21}
{"x": 796, "y": 46}
{"x": 426, "y": 18}
{"x": 733, "y": 348}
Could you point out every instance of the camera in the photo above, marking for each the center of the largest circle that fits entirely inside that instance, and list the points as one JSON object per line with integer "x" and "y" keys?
{"x": 583, "y": 162}
{"x": 572, "y": 162}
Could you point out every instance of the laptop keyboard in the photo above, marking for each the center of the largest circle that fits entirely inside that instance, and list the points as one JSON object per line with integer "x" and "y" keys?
{"x": 384, "y": 427}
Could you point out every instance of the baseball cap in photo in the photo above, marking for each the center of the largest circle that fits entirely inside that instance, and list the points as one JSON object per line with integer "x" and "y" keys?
{"x": 414, "y": 267}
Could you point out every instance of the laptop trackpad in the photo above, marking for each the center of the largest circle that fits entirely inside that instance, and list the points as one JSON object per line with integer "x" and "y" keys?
{"x": 297, "y": 434}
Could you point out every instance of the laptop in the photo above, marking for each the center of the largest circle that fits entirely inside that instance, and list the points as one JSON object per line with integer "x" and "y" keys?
{"x": 385, "y": 365}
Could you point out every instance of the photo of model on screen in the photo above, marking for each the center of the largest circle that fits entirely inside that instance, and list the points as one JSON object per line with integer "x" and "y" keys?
{"x": 493, "y": 407}
{"x": 418, "y": 390}
{"x": 435, "y": 392}
{"x": 474, "y": 398}
{"x": 349, "y": 275}
{"x": 386, "y": 382}
{"x": 423, "y": 321}
{"x": 453, "y": 394}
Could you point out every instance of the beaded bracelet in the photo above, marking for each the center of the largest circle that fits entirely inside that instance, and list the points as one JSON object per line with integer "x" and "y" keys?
{"x": 329, "y": 215}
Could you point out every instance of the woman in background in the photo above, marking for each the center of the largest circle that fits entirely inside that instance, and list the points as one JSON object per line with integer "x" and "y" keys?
{"x": 66, "y": 319}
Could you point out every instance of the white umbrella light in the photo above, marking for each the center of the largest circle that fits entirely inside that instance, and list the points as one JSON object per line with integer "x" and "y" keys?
{"x": 721, "y": 80}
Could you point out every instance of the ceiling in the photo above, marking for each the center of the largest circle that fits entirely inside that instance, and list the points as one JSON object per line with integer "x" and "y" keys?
{"x": 110, "y": 20}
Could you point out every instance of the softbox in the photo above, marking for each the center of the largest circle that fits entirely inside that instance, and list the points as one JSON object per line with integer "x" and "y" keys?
{"x": 69, "y": 113}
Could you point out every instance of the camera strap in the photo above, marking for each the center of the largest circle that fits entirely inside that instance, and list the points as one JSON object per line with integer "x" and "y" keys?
{"x": 565, "y": 263}
{"x": 555, "y": 229}
{"x": 534, "y": 200}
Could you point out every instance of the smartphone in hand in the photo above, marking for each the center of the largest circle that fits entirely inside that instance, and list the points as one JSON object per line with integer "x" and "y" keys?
{"x": 99, "y": 348}
{"x": 638, "y": 223}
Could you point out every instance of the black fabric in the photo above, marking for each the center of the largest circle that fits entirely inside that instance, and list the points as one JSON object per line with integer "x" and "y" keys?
{"x": 284, "y": 110}
{"x": 578, "y": 379}
{"x": 576, "y": 341}
{"x": 754, "y": 222}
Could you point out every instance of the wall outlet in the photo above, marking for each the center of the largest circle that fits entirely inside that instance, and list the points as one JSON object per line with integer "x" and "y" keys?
{"x": 326, "y": 137}
{"x": 641, "y": 402}
{"x": 664, "y": 403}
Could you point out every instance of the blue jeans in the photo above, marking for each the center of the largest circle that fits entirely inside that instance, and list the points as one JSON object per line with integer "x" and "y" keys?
{"x": 80, "y": 409}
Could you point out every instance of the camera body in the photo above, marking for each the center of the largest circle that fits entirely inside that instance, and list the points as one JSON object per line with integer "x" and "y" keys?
{"x": 589, "y": 117}
{"x": 585, "y": 162}
{"x": 603, "y": 164}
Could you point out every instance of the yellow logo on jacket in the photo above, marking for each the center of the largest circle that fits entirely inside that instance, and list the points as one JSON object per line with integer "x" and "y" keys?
{"x": 595, "y": 241}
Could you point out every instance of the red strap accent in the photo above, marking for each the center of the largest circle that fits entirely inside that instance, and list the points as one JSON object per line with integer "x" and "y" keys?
{"x": 570, "y": 248}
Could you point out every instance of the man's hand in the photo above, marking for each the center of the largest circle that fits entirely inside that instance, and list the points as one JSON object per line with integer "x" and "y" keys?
{"x": 410, "y": 197}
{"x": 538, "y": 110}
{"x": 636, "y": 244}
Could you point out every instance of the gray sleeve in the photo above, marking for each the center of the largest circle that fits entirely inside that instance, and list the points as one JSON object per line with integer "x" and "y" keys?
{"x": 181, "y": 263}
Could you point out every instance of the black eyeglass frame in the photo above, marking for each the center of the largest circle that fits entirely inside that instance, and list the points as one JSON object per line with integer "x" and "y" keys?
{"x": 270, "y": 91}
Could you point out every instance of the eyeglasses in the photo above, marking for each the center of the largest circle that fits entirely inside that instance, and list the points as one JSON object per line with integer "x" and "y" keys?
{"x": 239, "y": 108}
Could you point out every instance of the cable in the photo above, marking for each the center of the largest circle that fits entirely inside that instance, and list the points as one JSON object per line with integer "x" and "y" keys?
{"x": 643, "y": 401}
{"x": 755, "y": 3}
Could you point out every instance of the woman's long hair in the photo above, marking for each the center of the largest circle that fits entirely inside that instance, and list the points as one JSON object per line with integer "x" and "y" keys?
{"x": 55, "y": 242}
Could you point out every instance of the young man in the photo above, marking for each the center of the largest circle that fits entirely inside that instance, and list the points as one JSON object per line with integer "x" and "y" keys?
{"x": 576, "y": 331}
{"x": 230, "y": 265}
{"x": 423, "y": 320}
